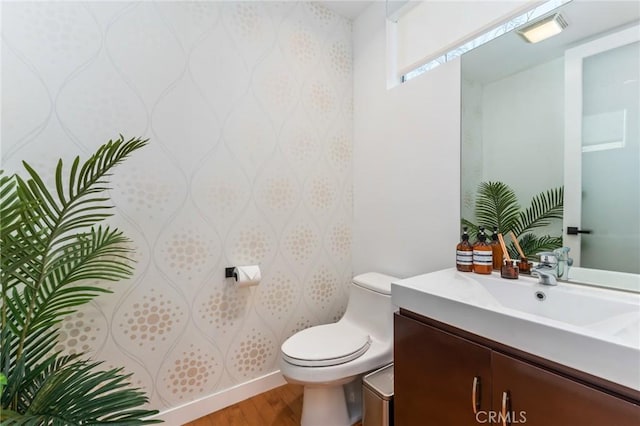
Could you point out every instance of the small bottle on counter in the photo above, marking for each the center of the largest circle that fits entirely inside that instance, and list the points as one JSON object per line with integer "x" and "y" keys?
{"x": 496, "y": 250}
{"x": 509, "y": 270}
{"x": 464, "y": 253}
{"x": 525, "y": 266}
{"x": 482, "y": 255}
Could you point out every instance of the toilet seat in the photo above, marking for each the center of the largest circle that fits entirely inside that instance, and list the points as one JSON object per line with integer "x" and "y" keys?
{"x": 325, "y": 345}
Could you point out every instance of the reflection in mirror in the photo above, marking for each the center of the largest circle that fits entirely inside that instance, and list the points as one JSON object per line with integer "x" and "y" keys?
{"x": 605, "y": 109}
{"x": 519, "y": 126}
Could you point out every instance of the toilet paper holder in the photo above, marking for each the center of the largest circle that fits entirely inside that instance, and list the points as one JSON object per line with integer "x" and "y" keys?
{"x": 244, "y": 276}
{"x": 231, "y": 273}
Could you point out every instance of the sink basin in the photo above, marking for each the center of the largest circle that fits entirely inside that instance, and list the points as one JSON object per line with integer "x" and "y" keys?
{"x": 565, "y": 303}
{"x": 591, "y": 329}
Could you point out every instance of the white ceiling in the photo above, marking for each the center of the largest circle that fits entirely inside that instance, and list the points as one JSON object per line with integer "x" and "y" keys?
{"x": 509, "y": 53}
{"x": 347, "y": 8}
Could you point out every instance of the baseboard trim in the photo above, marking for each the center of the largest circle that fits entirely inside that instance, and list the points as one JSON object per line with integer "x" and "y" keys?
{"x": 193, "y": 410}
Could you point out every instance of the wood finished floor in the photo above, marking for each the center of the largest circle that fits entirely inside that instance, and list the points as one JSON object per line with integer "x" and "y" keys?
{"x": 279, "y": 406}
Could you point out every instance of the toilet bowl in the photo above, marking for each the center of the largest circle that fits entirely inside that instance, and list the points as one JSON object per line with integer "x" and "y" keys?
{"x": 330, "y": 359}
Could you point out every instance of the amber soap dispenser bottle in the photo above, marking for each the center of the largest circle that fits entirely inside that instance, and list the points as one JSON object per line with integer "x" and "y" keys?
{"x": 482, "y": 255}
{"x": 496, "y": 250}
{"x": 464, "y": 253}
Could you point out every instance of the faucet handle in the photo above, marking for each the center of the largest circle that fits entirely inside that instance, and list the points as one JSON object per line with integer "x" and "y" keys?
{"x": 548, "y": 257}
{"x": 564, "y": 262}
{"x": 562, "y": 253}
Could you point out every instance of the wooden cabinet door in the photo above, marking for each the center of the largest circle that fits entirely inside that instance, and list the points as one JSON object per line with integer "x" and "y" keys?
{"x": 434, "y": 375}
{"x": 537, "y": 397}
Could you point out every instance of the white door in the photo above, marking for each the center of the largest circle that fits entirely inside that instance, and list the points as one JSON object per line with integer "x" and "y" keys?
{"x": 602, "y": 155}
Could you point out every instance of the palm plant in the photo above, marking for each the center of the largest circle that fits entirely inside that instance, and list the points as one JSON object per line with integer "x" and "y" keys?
{"x": 498, "y": 206}
{"x": 52, "y": 253}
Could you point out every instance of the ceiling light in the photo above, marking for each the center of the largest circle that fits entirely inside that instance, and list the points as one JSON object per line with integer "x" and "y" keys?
{"x": 544, "y": 28}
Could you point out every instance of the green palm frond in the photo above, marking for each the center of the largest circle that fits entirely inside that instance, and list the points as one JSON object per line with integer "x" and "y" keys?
{"x": 496, "y": 206}
{"x": 55, "y": 238}
{"x": 532, "y": 244}
{"x": 544, "y": 207}
{"x": 97, "y": 255}
{"x": 24, "y": 379}
{"x": 52, "y": 246}
{"x": 15, "y": 250}
{"x": 73, "y": 391}
{"x": 10, "y": 205}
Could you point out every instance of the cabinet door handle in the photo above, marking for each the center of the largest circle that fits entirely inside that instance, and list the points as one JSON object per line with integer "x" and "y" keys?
{"x": 505, "y": 409}
{"x": 475, "y": 395}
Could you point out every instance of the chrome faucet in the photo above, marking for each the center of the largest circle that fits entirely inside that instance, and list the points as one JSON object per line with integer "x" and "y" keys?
{"x": 547, "y": 268}
{"x": 553, "y": 265}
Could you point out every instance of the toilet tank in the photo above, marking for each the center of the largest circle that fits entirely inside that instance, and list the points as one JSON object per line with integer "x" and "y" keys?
{"x": 370, "y": 304}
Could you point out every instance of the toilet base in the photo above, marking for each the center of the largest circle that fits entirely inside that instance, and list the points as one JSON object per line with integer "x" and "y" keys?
{"x": 329, "y": 406}
{"x": 353, "y": 395}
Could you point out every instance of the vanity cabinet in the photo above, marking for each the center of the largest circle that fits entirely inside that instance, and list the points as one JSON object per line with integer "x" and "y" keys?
{"x": 436, "y": 374}
{"x": 546, "y": 398}
{"x": 443, "y": 377}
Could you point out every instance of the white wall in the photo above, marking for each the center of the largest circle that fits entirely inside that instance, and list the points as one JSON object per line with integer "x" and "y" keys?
{"x": 406, "y": 160}
{"x": 516, "y": 120}
{"x": 471, "y": 156}
{"x": 523, "y": 123}
{"x": 432, "y": 27}
{"x": 407, "y": 144}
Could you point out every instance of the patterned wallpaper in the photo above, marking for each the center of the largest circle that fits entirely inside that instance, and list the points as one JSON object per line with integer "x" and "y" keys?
{"x": 248, "y": 106}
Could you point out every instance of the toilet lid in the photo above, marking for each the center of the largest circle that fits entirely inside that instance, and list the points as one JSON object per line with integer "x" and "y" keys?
{"x": 324, "y": 345}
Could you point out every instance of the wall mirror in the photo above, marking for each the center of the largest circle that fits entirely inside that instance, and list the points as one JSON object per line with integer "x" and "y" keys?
{"x": 564, "y": 112}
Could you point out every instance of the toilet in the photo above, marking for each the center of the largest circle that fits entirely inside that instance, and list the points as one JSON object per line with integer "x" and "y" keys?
{"x": 330, "y": 360}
